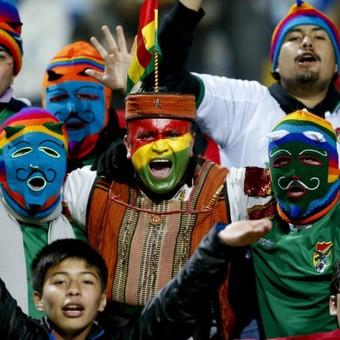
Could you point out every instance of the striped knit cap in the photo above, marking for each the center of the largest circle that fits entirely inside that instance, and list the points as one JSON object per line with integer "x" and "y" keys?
{"x": 70, "y": 63}
{"x": 302, "y": 13}
{"x": 304, "y": 127}
{"x": 32, "y": 119}
{"x": 10, "y": 32}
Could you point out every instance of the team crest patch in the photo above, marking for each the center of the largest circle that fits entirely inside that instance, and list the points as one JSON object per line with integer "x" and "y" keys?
{"x": 322, "y": 256}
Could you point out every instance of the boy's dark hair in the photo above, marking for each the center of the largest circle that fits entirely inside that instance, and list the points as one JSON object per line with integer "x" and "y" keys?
{"x": 335, "y": 281}
{"x": 59, "y": 250}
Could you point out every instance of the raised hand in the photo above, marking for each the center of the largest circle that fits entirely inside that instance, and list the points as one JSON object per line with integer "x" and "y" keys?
{"x": 117, "y": 60}
{"x": 244, "y": 233}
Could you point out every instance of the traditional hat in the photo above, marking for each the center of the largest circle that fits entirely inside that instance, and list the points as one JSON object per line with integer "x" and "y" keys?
{"x": 160, "y": 105}
{"x": 10, "y": 32}
{"x": 302, "y": 13}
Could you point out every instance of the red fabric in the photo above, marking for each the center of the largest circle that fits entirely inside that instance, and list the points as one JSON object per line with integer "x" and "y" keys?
{"x": 147, "y": 15}
{"x": 212, "y": 151}
{"x": 334, "y": 335}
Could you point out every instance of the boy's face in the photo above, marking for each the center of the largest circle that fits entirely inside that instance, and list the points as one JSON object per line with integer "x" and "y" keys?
{"x": 72, "y": 295}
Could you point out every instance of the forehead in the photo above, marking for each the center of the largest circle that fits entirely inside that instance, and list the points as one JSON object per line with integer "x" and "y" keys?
{"x": 307, "y": 29}
{"x": 158, "y": 124}
{"x": 71, "y": 266}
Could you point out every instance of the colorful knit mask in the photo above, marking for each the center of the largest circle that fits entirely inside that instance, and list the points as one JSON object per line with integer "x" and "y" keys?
{"x": 304, "y": 170}
{"x": 302, "y": 13}
{"x": 78, "y": 100}
{"x": 33, "y": 159}
{"x": 10, "y": 32}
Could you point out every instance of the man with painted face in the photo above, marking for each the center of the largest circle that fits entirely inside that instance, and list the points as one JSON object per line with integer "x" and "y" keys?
{"x": 81, "y": 102}
{"x": 33, "y": 160}
{"x": 293, "y": 262}
{"x": 147, "y": 212}
{"x": 237, "y": 114}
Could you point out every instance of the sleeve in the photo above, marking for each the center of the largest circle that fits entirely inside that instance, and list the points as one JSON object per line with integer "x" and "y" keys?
{"x": 14, "y": 324}
{"x": 173, "y": 313}
{"x": 238, "y": 200}
{"x": 176, "y": 34}
{"x": 76, "y": 193}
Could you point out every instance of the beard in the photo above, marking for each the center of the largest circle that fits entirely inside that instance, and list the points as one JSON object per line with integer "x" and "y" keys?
{"x": 305, "y": 81}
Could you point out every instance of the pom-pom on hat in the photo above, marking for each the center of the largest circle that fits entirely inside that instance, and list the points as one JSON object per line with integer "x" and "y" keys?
{"x": 302, "y": 13}
{"x": 10, "y": 32}
{"x": 160, "y": 105}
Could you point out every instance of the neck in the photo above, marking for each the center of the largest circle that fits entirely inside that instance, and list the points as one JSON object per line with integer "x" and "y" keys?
{"x": 307, "y": 96}
{"x": 310, "y": 93}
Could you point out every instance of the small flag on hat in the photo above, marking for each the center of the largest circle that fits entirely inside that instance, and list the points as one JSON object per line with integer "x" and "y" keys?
{"x": 147, "y": 52}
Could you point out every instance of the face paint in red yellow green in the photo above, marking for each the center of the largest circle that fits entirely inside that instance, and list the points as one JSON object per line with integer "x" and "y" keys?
{"x": 160, "y": 150}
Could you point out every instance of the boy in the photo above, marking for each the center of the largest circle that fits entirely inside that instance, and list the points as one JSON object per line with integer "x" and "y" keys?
{"x": 69, "y": 279}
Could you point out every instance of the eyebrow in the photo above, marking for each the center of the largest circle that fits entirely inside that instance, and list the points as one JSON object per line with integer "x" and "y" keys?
{"x": 299, "y": 30}
{"x": 68, "y": 274}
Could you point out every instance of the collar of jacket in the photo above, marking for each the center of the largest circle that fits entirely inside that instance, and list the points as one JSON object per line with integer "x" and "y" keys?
{"x": 290, "y": 104}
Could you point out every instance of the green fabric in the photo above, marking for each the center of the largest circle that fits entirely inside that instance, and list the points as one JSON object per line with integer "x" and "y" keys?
{"x": 35, "y": 238}
{"x": 293, "y": 295}
{"x": 6, "y": 113}
{"x": 292, "y": 172}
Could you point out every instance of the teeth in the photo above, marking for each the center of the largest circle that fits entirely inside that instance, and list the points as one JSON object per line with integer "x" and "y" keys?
{"x": 159, "y": 161}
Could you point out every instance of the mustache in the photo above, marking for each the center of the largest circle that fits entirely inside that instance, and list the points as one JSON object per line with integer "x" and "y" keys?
{"x": 23, "y": 176}
{"x": 297, "y": 181}
{"x": 89, "y": 114}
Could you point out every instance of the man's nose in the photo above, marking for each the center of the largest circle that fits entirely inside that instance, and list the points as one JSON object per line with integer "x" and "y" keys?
{"x": 73, "y": 289}
{"x": 307, "y": 42}
{"x": 160, "y": 146}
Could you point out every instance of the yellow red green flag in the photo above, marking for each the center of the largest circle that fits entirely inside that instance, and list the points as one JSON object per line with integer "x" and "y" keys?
{"x": 147, "y": 48}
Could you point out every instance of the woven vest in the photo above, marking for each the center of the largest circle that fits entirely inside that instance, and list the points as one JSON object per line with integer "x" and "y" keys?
{"x": 145, "y": 243}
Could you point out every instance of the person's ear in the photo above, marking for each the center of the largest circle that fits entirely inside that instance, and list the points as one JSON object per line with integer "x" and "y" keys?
{"x": 103, "y": 301}
{"x": 38, "y": 302}
{"x": 333, "y": 311}
{"x": 336, "y": 68}
{"x": 128, "y": 147}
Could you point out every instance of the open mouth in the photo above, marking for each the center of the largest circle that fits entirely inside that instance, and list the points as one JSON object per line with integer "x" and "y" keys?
{"x": 74, "y": 125}
{"x": 307, "y": 59}
{"x": 36, "y": 183}
{"x": 296, "y": 191}
{"x": 160, "y": 168}
{"x": 73, "y": 310}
